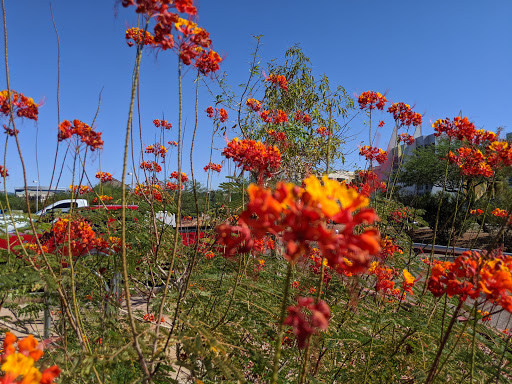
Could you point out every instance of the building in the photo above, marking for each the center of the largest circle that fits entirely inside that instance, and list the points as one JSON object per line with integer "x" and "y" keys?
{"x": 37, "y": 192}
{"x": 342, "y": 176}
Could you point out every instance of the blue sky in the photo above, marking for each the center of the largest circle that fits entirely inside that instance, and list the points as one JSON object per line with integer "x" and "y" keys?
{"x": 443, "y": 57}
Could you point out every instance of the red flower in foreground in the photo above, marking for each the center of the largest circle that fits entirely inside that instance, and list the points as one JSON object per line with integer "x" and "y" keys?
{"x": 406, "y": 138}
{"x": 254, "y": 156}
{"x": 84, "y": 132}
{"x": 254, "y": 104}
{"x": 404, "y": 114}
{"x": 299, "y": 216}
{"x": 223, "y": 115}
{"x": 208, "y": 62}
{"x": 373, "y": 153}
{"x": 210, "y": 112}
{"x": 139, "y": 37}
{"x": 162, "y": 123}
{"x": 279, "y": 80}
{"x": 18, "y": 367}
{"x": 22, "y": 106}
{"x": 305, "y": 324}
{"x": 371, "y": 100}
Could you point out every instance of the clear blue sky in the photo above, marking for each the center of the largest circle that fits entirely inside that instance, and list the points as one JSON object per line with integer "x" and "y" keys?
{"x": 441, "y": 56}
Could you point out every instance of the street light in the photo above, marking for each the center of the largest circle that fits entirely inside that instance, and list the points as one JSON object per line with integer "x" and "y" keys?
{"x": 131, "y": 184}
{"x": 37, "y": 194}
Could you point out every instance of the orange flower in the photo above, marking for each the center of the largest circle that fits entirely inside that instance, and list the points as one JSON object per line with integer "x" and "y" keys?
{"x": 371, "y": 100}
{"x": 22, "y": 106}
{"x": 279, "y": 80}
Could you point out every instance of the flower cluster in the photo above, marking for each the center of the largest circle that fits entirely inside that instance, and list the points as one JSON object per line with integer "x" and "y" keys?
{"x": 406, "y": 138}
{"x": 371, "y": 100}
{"x": 213, "y": 167}
{"x": 104, "y": 177}
{"x": 476, "y": 212}
{"x": 471, "y": 161}
{"x": 373, "y": 153}
{"x": 162, "y": 123}
{"x": 299, "y": 216}
{"x": 367, "y": 183}
{"x": 3, "y": 171}
{"x": 254, "y": 104}
{"x": 18, "y": 366}
{"x": 87, "y": 135}
{"x": 157, "y": 150}
{"x": 277, "y": 117}
{"x": 322, "y": 131}
{"x": 102, "y": 198}
{"x": 254, "y": 156}
{"x": 22, "y": 106}
{"x": 208, "y": 62}
{"x": 306, "y": 325}
{"x": 139, "y": 37}
{"x": 400, "y": 214}
{"x": 278, "y": 138}
{"x": 172, "y": 186}
{"x": 388, "y": 249}
{"x": 184, "y": 177}
{"x": 151, "y": 166}
{"x": 220, "y": 114}
{"x": 460, "y": 128}
{"x": 499, "y": 212}
{"x": 473, "y": 274}
{"x": 172, "y": 143}
{"x": 302, "y": 117}
{"x": 278, "y": 80}
{"x": 74, "y": 233}
{"x": 80, "y": 189}
{"x": 192, "y": 40}
{"x": 151, "y": 191}
{"x": 405, "y": 115}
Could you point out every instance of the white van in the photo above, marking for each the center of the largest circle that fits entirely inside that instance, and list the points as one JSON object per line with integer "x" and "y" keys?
{"x": 63, "y": 205}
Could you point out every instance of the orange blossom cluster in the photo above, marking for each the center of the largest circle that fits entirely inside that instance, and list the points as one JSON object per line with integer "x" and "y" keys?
{"x": 322, "y": 131}
{"x": 184, "y": 177}
{"x": 80, "y": 189}
{"x": 304, "y": 118}
{"x": 373, "y": 153}
{"x": 298, "y": 217}
{"x": 474, "y": 274}
{"x": 476, "y": 212}
{"x": 156, "y": 149}
{"x": 81, "y": 237}
{"x": 277, "y": 117}
{"x": 368, "y": 183}
{"x": 22, "y": 106}
{"x": 162, "y": 123}
{"x": 372, "y": 100}
{"x": 221, "y": 113}
{"x": 254, "y": 156}
{"x": 406, "y": 138}
{"x": 151, "y": 191}
{"x": 3, "y": 171}
{"x": 139, "y": 37}
{"x": 102, "y": 198}
{"x": 254, "y": 104}
{"x": 104, "y": 177}
{"x": 278, "y": 80}
{"x": 83, "y": 131}
{"x": 18, "y": 366}
{"x": 404, "y": 114}
{"x": 213, "y": 167}
{"x": 151, "y": 166}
